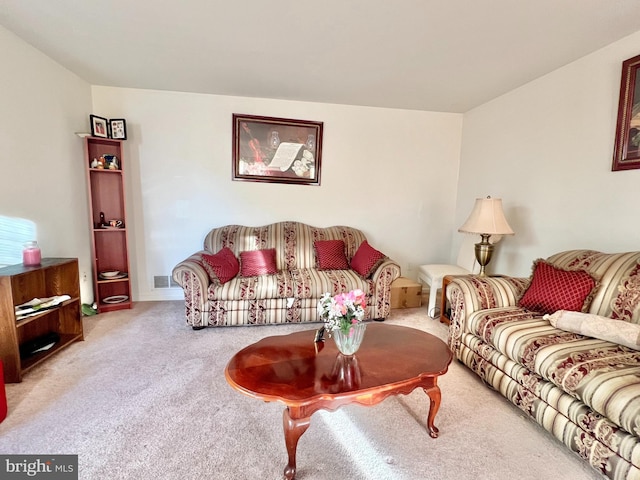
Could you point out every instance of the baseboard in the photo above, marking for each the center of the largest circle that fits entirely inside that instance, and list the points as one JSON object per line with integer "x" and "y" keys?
{"x": 161, "y": 295}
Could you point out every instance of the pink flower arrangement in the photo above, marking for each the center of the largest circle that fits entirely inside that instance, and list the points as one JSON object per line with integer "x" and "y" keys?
{"x": 342, "y": 311}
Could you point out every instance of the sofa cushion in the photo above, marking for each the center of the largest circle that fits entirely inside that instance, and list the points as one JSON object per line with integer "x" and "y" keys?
{"x": 221, "y": 267}
{"x": 293, "y": 241}
{"x": 330, "y": 255}
{"x": 603, "y": 375}
{"x": 366, "y": 259}
{"x": 553, "y": 289}
{"x": 258, "y": 262}
{"x": 304, "y": 283}
{"x": 616, "y": 331}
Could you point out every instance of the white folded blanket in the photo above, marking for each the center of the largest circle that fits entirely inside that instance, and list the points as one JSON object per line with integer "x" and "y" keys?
{"x": 616, "y": 331}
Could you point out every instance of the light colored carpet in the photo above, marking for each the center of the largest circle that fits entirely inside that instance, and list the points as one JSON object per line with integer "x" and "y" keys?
{"x": 144, "y": 397}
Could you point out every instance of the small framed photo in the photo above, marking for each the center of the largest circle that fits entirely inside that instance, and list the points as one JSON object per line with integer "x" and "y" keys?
{"x": 118, "y": 128}
{"x": 99, "y": 127}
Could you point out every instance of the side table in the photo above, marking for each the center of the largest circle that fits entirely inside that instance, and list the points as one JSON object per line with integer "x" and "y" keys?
{"x": 444, "y": 317}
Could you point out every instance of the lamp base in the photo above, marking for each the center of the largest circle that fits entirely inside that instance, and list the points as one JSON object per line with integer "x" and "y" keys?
{"x": 484, "y": 252}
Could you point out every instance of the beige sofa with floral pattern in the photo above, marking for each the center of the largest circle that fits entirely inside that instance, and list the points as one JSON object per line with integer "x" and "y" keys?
{"x": 584, "y": 390}
{"x": 289, "y": 296}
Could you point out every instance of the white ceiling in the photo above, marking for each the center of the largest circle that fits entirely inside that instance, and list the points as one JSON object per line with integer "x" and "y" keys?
{"x": 435, "y": 55}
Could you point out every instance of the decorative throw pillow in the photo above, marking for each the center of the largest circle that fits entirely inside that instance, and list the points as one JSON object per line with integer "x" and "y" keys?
{"x": 258, "y": 262}
{"x": 552, "y": 289}
{"x": 330, "y": 255}
{"x": 595, "y": 326}
{"x": 366, "y": 259}
{"x": 221, "y": 267}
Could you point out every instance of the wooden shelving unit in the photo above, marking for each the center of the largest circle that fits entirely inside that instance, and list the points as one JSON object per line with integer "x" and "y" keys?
{"x": 20, "y": 284}
{"x": 109, "y": 245}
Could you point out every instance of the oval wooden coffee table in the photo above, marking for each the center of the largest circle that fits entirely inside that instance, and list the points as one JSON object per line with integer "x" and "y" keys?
{"x": 308, "y": 376}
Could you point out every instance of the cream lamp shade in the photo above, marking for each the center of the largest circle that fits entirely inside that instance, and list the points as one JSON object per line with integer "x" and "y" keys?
{"x": 487, "y": 218}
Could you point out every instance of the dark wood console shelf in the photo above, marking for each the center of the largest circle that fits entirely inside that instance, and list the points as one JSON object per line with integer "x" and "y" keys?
{"x": 20, "y": 284}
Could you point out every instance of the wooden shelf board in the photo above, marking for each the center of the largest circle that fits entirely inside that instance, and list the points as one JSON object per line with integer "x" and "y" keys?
{"x": 115, "y": 280}
{"x": 24, "y": 321}
{"x": 65, "y": 341}
{"x": 105, "y": 170}
{"x": 110, "y": 307}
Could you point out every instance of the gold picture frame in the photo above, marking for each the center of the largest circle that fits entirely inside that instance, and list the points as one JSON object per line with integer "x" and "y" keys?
{"x": 626, "y": 155}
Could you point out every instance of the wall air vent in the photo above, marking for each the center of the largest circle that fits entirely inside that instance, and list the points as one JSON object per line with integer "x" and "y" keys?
{"x": 164, "y": 281}
{"x": 161, "y": 281}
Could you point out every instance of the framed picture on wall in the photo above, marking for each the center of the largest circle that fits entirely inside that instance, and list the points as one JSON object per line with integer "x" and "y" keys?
{"x": 99, "y": 127}
{"x": 626, "y": 155}
{"x": 118, "y": 128}
{"x": 276, "y": 150}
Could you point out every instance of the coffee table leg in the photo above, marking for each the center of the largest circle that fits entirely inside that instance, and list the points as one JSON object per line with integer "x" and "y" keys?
{"x": 434, "y": 397}
{"x": 293, "y": 430}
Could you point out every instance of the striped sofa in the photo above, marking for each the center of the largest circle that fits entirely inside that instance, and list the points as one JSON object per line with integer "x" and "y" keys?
{"x": 585, "y": 391}
{"x": 289, "y": 296}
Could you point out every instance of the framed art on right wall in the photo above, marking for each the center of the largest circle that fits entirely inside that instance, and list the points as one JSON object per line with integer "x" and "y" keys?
{"x": 626, "y": 154}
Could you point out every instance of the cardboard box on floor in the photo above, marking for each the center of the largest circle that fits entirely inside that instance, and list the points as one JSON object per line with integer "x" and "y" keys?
{"x": 405, "y": 293}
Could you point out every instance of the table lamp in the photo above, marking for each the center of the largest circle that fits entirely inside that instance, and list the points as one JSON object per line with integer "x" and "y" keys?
{"x": 486, "y": 219}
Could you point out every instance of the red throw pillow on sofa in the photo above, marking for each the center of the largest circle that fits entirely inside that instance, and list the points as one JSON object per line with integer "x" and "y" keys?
{"x": 258, "y": 262}
{"x": 221, "y": 267}
{"x": 330, "y": 255}
{"x": 366, "y": 259}
{"x": 552, "y": 289}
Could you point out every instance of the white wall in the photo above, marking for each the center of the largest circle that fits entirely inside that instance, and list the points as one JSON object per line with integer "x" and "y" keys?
{"x": 546, "y": 149}
{"x": 42, "y": 175}
{"x": 391, "y": 173}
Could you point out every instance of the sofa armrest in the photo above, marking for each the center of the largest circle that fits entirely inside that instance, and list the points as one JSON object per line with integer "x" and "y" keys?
{"x": 470, "y": 293}
{"x": 382, "y": 279}
{"x": 194, "y": 280}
